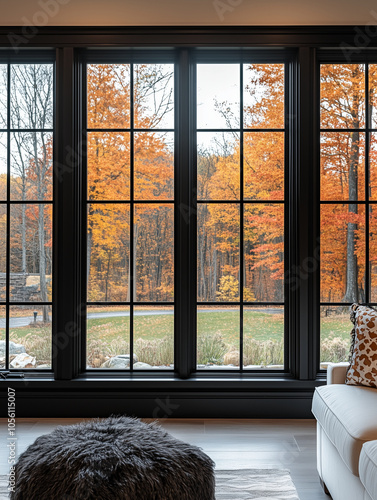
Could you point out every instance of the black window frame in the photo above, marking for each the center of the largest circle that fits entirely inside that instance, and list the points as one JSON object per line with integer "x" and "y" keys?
{"x": 287, "y": 58}
{"x": 185, "y": 303}
{"x": 9, "y": 58}
{"x": 343, "y": 57}
{"x": 71, "y": 391}
{"x": 131, "y": 57}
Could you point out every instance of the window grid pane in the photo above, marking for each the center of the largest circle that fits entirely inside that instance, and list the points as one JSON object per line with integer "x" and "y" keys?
{"x": 26, "y": 162}
{"x": 130, "y": 252}
{"x": 240, "y": 244}
{"x": 347, "y": 200}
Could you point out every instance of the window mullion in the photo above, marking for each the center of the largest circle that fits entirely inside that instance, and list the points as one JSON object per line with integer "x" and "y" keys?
{"x": 305, "y": 342}
{"x": 185, "y": 218}
{"x": 66, "y": 320}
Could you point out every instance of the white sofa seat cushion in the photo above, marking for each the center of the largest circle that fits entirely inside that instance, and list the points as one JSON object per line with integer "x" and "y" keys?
{"x": 368, "y": 468}
{"x": 347, "y": 414}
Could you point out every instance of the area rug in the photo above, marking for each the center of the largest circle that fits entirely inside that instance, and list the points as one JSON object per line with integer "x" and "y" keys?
{"x": 242, "y": 484}
{"x": 258, "y": 484}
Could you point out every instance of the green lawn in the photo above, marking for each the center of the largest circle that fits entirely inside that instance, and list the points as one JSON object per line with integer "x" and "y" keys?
{"x": 336, "y": 326}
{"x": 258, "y": 325}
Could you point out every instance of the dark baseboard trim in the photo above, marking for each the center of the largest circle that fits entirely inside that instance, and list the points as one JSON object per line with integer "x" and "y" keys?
{"x": 161, "y": 405}
{"x": 167, "y": 397}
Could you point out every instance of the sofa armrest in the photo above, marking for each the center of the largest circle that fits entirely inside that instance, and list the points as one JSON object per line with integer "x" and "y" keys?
{"x": 336, "y": 373}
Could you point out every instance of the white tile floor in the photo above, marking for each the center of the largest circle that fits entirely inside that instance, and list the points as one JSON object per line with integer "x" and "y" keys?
{"x": 289, "y": 444}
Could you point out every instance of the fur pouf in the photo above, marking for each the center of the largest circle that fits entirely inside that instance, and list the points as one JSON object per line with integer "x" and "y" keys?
{"x": 118, "y": 458}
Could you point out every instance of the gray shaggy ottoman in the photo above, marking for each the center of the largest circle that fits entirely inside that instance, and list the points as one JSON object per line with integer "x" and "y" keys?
{"x": 118, "y": 458}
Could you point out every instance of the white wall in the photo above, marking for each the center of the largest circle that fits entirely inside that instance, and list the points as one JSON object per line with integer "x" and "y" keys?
{"x": 187, "y": 12}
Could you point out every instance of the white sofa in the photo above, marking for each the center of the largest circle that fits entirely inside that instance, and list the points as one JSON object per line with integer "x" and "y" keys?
{"x": 346, "y": 437}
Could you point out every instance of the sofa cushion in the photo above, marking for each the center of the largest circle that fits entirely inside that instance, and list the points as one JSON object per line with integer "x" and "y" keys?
{"x": 363, "y": 362}
{"x": 347, "y": 414}
{"x": 368, "y": 468}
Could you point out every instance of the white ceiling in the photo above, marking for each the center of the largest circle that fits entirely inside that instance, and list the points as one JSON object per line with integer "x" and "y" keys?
{"x": 187, "y": 12}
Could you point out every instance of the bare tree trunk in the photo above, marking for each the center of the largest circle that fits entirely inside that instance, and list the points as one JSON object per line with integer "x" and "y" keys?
{"x": 214, "y": 278}
{"x": 136, "y": 235}
{"x": 203, "y": 287}
{"x": 42, "y": 262}
{"x": 107, "y": 276}
{"x": 23, "y": 238}
{"x": 128, "y": 298}
{"x": 88, "y": 256}
{"x": 21, "y": 170}
{"x": 351, "y": 294}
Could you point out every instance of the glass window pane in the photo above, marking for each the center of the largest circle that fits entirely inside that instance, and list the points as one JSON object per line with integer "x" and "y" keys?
{"x": 108, "y": 166}
{"x": 264, "y": 165}
{"x": 263, "y": 343}
{"x": 108, "y": 98}
{"x": 2, "y": 337}
{"x": 264, "y": 252}
{"x": 342, "y": 253}
{"x": 31, "y": 96}
{"x": 31, "y": 166}
{"x": 218, "y": 166}
{"x": 3, "y": 250}
{"x": 30, "y": 328}
{"x": 263, "y": 95}
{"x": 3, "y": 95}
{"x": 373, "y": 95}
{"x": 218, "y": 252}
{"x": 108, "y": 252}
{"x": 218, "y": 96}
{"x": 342, "y": 96}
{"x": 218, "y": 337}
{"x": 154, "y": 166}
{"x": 31, "y": 252}
{"x": 154, "y": 337}
{"x": 342, "y": 166}
{"x": 154, "y": 246}
{"x": 108, "y": 337}
{"x": 154, "y": 95}
{"x": 335, "y": 334}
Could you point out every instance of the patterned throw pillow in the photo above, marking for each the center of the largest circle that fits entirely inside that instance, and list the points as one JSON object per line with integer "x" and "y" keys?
{"x": 363, "y": 355}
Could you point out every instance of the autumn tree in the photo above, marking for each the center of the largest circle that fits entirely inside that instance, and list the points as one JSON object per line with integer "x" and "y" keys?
{"x": 218, "y": 168}
{"x": 31, "y": 159}
{"x": 342, "y": 172}
{"x": 109, "y": 261}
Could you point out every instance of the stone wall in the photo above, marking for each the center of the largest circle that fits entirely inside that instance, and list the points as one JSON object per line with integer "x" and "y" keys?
{"x": 20, "y": 290}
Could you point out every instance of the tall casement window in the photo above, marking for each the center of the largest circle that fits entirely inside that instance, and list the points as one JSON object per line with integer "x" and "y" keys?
{"x": 348, "y": 190}
{"x": 240, "y": 215}
{"x": 26, "y": 205}
{"x": 130, "y": 215}
{"x": 236, "y": 164}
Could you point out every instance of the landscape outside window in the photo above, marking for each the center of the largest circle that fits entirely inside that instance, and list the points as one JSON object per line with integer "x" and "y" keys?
{"x": 240, "y": 190}
{"x": 241, "y": 212}
{"x": 130, "y": 227}
{"x": 348, "y": 188}
{"x": 26, "y": 203}
{"x": 241, "y": 205}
